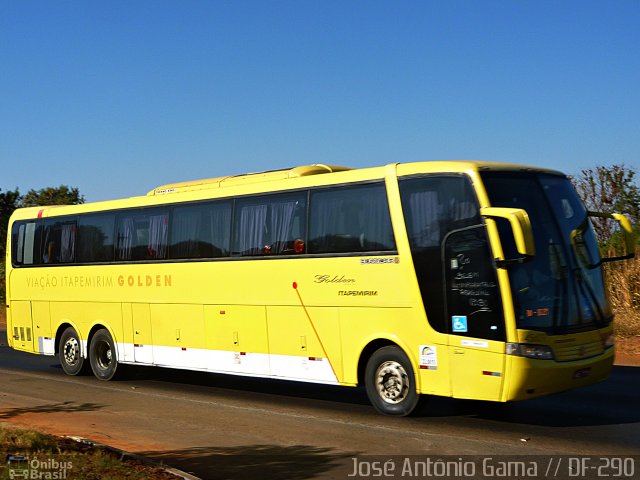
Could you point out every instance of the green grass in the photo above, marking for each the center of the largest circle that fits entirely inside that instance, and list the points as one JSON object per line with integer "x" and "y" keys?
{"x": 54, "y": 457}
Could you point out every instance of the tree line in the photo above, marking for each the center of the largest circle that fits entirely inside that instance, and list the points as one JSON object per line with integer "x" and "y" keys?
{"x": 12, "y": 199}
{"x": 610, "y": 189}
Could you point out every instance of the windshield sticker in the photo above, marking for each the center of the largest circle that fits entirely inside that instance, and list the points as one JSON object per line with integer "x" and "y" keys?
{"x": 459, "y": 323}
{"x": 428, "y": 357}
{"x": 538, "y": 312}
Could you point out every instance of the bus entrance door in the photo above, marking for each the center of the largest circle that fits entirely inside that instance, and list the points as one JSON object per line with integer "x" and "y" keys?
{"x": 474, "y": 313}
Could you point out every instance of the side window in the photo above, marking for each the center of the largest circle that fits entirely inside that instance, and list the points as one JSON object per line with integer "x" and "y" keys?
{"x": 23, "y": 243}
{"x": 350, "y": 219}
{"x": 142, "y": 235}
{"x": 201, "y": 231}
{"x": 58, "y": 241}
{"x": 95, "y": 238}
{"x": 433, "y": 206}
{"x": 269, "y": 225}
{"x": 436, "y": 205}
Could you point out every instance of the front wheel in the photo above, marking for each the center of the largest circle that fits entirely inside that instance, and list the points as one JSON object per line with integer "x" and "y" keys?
{"x": 390, "y": 382}
{"x": 102, "y": 355}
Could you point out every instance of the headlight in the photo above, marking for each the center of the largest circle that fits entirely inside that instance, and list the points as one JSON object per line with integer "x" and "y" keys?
{"x": 608, "y": 340}
{"x": 539, "y": 352}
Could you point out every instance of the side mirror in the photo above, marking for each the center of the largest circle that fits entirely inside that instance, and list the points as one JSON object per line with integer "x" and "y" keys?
{"x": 627, "y": 232}
{"x": 521, "y": 228}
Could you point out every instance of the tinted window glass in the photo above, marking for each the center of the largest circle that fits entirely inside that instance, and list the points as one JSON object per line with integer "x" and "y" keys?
{"x": 350, "y": 219}
{"x": 270, "y": 225}
{"x": 473, "y": 302}
{"x": 17, "y": 242}
{"x": 434, "y": 206}
{"x": 23, "y": 243}
{"x": 142, "y": 235}
{"x": 201, "y": 231}
{"x": 59, "y": 242}
{"x": 95, "y": 238}
{"x": 559, "y": 287}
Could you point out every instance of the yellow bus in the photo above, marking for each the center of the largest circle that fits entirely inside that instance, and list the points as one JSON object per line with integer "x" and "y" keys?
{"x": 464, "y": 279}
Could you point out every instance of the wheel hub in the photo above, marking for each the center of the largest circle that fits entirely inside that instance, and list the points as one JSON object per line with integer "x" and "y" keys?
{"x": 71, "y": 351}
{"x": 104, "y": 355}
{"x": 392, "y": 382}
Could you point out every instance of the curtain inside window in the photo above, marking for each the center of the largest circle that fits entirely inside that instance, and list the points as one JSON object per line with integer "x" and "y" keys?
{"x": 220, "y": 225}
{"x": 126, "y": 232}
{"x": 377, "y": 233}
{"x": 48, "y": 246}
{"x": 461, "y": 209}
{"x": 351, "y": 220}
{"x": 327, "y": 220}
{"x": 158, "y": 229}
{"x": 67, "y": 243}
{"x": 280, "y": 225}
{"x": 253, "y": 220}
{"x": 424, "y": 224}
{"x": 187, "y": 224}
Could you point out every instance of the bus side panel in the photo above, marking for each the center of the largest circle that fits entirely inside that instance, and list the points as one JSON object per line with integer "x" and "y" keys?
{"x": 142, "y": 334}
{"x": 178, "y": 335}
{"x": 83, "y": 316}
{"x": 404, "y": 327}
{"x": 20, "y": 326}
{"x": 305, "y": 345}
{"x": 236, "y": 339}
{"x": 126, "y": 350}
{"x": 477, "y": 368}
{"x": 45, "y": 338}
{"x": 434, "y": 369}
{"x": 360, "y": 326}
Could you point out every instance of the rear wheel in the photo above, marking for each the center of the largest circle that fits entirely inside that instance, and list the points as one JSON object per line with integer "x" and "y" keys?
{"x": 102, "y": 355}
{"x": 70, "y": 352}
{"x": 390, "y": 382}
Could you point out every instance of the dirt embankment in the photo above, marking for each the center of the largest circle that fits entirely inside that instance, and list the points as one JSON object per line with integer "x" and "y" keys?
{"x": 628, "y": 351}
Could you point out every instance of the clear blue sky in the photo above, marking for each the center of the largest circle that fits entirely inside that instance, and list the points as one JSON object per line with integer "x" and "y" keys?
{"x": 116, "y": 97}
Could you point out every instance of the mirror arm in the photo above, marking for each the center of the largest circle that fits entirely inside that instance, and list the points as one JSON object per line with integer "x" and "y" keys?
{"x": 506, "y": 263}
{"x": 627, "y": 231}
{"x": 617, "y": 259}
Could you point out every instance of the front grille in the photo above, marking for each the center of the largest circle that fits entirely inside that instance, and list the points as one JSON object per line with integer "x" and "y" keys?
{"x": 566, "y": 353}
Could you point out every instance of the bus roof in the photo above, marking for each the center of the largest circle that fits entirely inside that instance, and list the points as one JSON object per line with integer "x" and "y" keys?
{"x": 212, "y": 187}
{"x": 235, "y": 180}
{"x": 318, "y": 168}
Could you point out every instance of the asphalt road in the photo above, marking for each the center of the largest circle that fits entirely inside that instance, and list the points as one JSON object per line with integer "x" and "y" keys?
{"x": 219, "y": 426}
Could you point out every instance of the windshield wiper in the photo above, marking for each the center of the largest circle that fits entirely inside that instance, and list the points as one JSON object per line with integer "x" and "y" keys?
{"x": 559, "y": 273}
{"x": 588, "y": 293}
{"x": 579, "y": 245}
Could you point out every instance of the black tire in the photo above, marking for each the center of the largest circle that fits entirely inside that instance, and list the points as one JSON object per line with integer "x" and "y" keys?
{"x": 390, "y": 382}
{"x": 70, "y": 353}
{"x": 102, "y": 355}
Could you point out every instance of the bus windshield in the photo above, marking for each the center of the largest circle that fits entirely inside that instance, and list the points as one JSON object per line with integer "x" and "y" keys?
{"x": 561, "y": 289}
